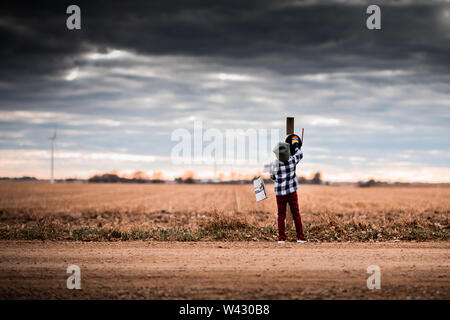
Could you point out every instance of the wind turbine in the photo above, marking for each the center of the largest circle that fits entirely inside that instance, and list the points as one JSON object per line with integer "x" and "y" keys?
{"x": 53, "y": 141}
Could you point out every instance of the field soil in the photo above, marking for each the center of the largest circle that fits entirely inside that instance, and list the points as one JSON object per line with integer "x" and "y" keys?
{"x": 181, "y": 212}
{"x": 224, "y": 270}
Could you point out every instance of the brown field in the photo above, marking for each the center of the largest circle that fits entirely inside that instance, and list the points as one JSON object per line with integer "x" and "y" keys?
{"x": 69, "y": 211}
{"x": 216, "y": 242}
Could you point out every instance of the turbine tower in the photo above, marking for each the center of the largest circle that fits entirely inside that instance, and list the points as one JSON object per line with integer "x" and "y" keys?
{"x": 53, "y": 141}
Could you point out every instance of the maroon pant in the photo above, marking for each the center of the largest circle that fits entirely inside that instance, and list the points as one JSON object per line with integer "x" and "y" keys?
{"x": 292, "y": 199}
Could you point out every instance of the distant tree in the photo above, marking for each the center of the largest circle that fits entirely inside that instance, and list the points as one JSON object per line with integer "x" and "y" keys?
{"x": 136, "y": 177}
{"x": 140, "y": 175}
{"x": 369, "y": 183}
{"x": 317, "y": 179}
{"x": 302, "y": 180}
{"x": 107, "y": 177}
{"x": 178, "y": 180}
{"x": 189, "y": 180}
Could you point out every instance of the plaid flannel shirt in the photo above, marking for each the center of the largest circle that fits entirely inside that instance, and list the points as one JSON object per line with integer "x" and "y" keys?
{"x": 283, "y": 174}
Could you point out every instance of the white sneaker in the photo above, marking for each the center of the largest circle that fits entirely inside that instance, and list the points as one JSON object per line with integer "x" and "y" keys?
{"x": 281, "y": 241}
{"x": 301, "y": 241}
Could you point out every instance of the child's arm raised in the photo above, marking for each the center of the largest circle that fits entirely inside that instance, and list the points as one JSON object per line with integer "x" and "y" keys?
{"x": 298, "y": 155}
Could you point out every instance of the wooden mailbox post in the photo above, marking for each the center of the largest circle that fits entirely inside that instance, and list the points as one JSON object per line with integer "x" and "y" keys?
{"x": 289, "y": 130}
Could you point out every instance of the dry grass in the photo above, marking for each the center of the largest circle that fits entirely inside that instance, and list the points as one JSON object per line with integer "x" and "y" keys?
{"x": 106, "y": 212}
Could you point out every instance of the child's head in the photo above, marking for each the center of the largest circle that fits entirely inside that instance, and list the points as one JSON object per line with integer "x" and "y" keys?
{"x": 281, "y": 151}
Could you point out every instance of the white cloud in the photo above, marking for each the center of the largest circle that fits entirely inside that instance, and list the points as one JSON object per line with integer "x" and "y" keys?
{"x": 69, "y": 119}
{"x": 390, "y": 173}
{"x": 113, "y": 54}
{"x": 324, "y": 122}
{"x": 12, "y": 134}
{"x": 72, "y": 75}
{"x": 232, "y": 77}
{"x": 357, "y": 159}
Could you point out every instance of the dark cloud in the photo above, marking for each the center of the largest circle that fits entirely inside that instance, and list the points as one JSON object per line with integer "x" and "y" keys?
{"x": 285, "y": 36}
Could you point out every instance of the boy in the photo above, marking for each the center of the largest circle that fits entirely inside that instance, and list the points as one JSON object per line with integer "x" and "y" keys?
{"x": 282, "y": 172}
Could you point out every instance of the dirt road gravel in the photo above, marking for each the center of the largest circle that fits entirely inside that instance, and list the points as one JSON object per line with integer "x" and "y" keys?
{"x": 224, "y": 270}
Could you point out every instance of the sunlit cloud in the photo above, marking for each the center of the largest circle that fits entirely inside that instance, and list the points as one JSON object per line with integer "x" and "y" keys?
{"x": 72, "y": 75}
{"x": 232, "y": 77}
{"x": 113, "y": 54}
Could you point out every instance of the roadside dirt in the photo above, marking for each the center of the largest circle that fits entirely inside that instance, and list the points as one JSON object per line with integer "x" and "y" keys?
{"x": 224, "y": 270}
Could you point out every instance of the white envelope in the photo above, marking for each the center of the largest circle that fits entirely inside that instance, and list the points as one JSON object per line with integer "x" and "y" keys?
{"x": 260, "y": 189}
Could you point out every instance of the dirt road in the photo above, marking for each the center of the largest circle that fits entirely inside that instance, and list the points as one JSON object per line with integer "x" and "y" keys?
{"x": 224, "y": 270}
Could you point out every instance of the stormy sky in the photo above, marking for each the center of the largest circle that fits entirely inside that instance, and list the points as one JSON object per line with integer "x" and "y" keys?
{"x": 374, "y": 103}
